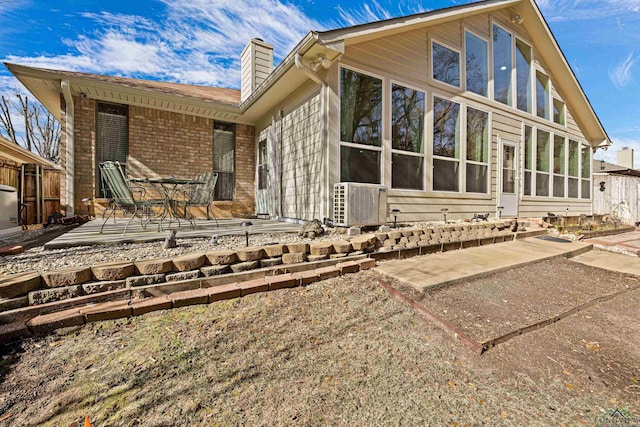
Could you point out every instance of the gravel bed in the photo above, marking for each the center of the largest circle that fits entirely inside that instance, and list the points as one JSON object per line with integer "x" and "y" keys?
{"x": 41, "y": 260}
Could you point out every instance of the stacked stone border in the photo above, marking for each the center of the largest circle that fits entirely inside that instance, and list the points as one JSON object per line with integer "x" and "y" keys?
{"x": 129, "y": 288}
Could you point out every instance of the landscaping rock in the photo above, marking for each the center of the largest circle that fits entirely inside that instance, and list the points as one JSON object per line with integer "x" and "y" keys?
{"x": 189, "y": 262}
{"x": 389, "y": 243}
{"x": 150, "y": 304}
{"x": 395, "y": 235}
{"x": 221, "y": 257}
{"x": 294, "y": 258}
{"x": 15, "y": 285}
{"x": 107, "y": 311}
{"x": 154, "y": 266}
{"x": 13, "y": 303}
{"x": 337, "y": 256}
{"x": 49, "y": 322}
{"x": 183, "y": 275}
{"x": 222, "y": 292}
{"x": 270, "y": 262}
{"x": 252, "y": 253}
{"x": 191, "y": 297}
{"x": 150, "y": 279}
{"x": 13, "y": 332}
{"x": 274, "y": 251}
{"x": 353, "y": 231}
{"x": 321, "y": 248}
{"x": 245, "y": 266}
{"x": 215, "y": 270}
{"x": 342, "y": 247}
{"x": 298, "y": 247}
{"x": 11, "y": 250}
{"x": 97, "y": 287}
{"x": 281, "y": 281}
{"x": 381, "y": 236}
{"x": 407, "y": 233}
{"x": 313, "y": 258}
{"x": 311, "y": 229}
{"x": 113, "y": 271}
{"x": 55, "y": 294}
{"x": 253, "y": 286}
{"x": 69, "y": 276}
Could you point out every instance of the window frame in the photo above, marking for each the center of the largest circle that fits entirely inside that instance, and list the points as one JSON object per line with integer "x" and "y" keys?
{"x": 425, "y": 139}
{"x": 235, "y": 166}
{"x": 494, "y": 23}
{"x": 548, "y": 108}
{"x": 489, "y": 64}
{"x": 465, "y": 160}
{"x": 563, "y": 119}
{"x": 99, "y": 190}
{"x": 432, "y": 78}
{"x": 532, "y": 70}
{"x": 434, "y": 156}
{"x": 383, "y": 125}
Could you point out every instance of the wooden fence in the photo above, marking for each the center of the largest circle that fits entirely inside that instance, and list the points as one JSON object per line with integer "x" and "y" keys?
{"x": 620, "y": 197}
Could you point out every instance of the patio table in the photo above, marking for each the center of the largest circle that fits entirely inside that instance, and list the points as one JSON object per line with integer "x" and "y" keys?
{"x": 168, "y": 187}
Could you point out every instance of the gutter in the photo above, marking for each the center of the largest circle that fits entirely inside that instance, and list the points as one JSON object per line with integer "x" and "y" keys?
{"x": 69, "y": 148}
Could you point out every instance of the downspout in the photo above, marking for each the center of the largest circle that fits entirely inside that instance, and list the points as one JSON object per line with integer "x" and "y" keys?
{"x": 69, "y": 146}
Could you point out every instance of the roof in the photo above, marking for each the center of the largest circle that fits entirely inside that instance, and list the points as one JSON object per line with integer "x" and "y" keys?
{"x": 13, "y": 152}
{"x": 600, "y": 166}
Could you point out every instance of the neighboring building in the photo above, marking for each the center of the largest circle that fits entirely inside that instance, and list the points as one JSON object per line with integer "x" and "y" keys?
{"x": 616, "y": 188}
{"x": 466, "y": 108}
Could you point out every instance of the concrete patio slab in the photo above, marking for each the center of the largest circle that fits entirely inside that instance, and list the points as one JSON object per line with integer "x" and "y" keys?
{"x": 610, "y": 261}
{"x": 442, "y": 269}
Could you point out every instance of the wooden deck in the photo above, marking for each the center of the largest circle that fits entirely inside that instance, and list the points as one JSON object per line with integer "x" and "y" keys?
{"x": 89, "y": 234}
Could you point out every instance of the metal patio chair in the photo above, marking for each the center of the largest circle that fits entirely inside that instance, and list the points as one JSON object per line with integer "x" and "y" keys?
{"x": 122, "y": 195}
{"x": 200, "y": 194}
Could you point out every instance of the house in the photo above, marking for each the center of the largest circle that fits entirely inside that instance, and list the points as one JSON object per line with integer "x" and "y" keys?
{"x": 616, "y": 188}
{"x": 468, "y": 109}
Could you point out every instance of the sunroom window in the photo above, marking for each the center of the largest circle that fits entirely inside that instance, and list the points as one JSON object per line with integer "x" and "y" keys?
{"x": 574, "y": 168}
{"x": 558, "y": 112}
{"x": 543, "y": 153}
{"x": 586, "y": 172}
{"x": 476, "y": 62}
{"x": 558, "y": 166}
{"x": 446, "y": 145}
{"x": 360, "y": 127}
{"x": 528, "y": 160}
{"x": 502, "y": 66}
{"x": 523, "y": 77}
{"x": 446, "y": 64}
{"x": 477, "y": 164}
{"x": 407, "y": 132}
{"x": 542, "y": 95}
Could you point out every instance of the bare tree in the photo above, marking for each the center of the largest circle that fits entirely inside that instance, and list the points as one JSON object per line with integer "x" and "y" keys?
{"x": 41, "y": 130}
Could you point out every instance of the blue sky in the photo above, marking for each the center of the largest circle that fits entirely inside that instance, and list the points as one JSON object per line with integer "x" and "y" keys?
{"x": 199, "y": 41}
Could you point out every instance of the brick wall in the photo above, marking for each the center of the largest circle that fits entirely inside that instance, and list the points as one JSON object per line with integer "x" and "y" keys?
{"x": 163, "y": 143}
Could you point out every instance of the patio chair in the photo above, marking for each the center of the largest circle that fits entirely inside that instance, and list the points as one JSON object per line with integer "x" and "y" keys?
{"x": 122, "y": 196}
{"x": 200, "y": 195}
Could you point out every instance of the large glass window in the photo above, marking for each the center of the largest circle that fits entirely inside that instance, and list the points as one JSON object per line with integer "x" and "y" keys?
{"x": 558, "y": 166}
{"x": 477, "y": 163}
{"x": 224, "y": 148}
{"x": 543, "y": 153}
{"x": 574, "y": 168}
{"x": 112, "y": 139}
{"x": 502, "y": 66}
{"x": 407, "y": 133}
{"x": 528, "y": 160}
{"x": 476, "y": 62}
{"x": 523, "y": 77}
{"x": 542, "y": 95}
{"x": 446, "y": 64}
{"x": 558, "y": 112}
{"x": 446, "y": 145}
{"x": 586, "y": 172}
{"x": 360, "y": 127}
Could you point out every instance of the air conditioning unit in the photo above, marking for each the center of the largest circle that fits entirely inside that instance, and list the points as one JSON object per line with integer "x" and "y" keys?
{"x": 356, "y": 204}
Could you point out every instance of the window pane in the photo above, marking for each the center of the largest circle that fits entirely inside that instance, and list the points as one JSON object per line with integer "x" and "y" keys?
{"x": 542, "y": 151}
{"x": 523, "y": 76}
{"x": 476, "y": 63}
{"x": 502, "y": 66}
{"x": 527, "y": 183}
{"x": 407, "y": 119}
{"x": 477, "y": 178}
{"x": 558, "y": 154}
{"x": 586, "y": 189}
{"x": 445, "y": 175}
{"x": 112, "y": 139}
{"x": 574, "y": 159}
{"x": 407, "y": 172}
{"x": 508, "y": 181}
{"x": 360, "y": 108}
{"x": 573, "y": 188}
{"x": 558, "y": 186}
{"x": 558, "y": 112}
{"x": 586, "y": 162}
{"x": 477, "y": 135}
{"x": 446, "y": 128}
{"x": 446, "y": 65}
{"x": 542, "y": 95}
{"x": 224, "y": 187}
{"x": 359, "y": 165}
{"x": 224, "y": 159}
{"x": 542, "y": 184}
{"x": 528, "y": 147}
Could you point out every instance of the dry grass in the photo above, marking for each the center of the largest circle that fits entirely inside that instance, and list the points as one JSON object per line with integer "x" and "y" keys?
{"x": 340, "y": 352}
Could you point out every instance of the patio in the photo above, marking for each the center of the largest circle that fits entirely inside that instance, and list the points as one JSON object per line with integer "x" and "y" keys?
{"x": 89, "y": 233}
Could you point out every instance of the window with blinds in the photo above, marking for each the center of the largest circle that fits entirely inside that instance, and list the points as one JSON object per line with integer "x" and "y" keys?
{"x": 224, "y": 149}
{"x": 112, "y": 138}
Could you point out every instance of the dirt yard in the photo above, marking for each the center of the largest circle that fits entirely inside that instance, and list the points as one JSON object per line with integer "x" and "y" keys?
{"x": 339, "y": 352}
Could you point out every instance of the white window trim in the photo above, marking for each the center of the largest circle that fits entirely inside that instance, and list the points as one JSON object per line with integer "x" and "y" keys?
{"x": 466, "y": 30}
{"x": 433, "y": 40}
{"x": 489, "y": 148}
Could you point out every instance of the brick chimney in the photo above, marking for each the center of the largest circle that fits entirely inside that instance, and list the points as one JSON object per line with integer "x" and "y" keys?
{"x": 625, "y": 157}
{"x": 256, "y": 65}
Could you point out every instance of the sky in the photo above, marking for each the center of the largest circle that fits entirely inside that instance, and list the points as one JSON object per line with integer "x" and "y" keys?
{"x": 200, "y": 41}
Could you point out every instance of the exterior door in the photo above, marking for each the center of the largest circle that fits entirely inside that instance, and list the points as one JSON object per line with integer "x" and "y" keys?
{"x": 263, "y": 195}
{"x": 509, "y": 173}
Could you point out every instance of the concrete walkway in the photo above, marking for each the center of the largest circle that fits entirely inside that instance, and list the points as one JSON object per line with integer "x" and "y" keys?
{"x": 627, "y": 242}
{"x": 442, "y": 269}
{"x": 610, "y": 261}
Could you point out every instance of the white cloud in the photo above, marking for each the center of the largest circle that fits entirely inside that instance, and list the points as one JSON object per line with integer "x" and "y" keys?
{"x": 621, "y": 75}
{"x": 618, "y": 144}
{"x": 573, "y": 10}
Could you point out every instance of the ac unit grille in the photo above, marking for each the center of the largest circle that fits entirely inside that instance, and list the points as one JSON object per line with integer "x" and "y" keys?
{"x": 359, "y": 204}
